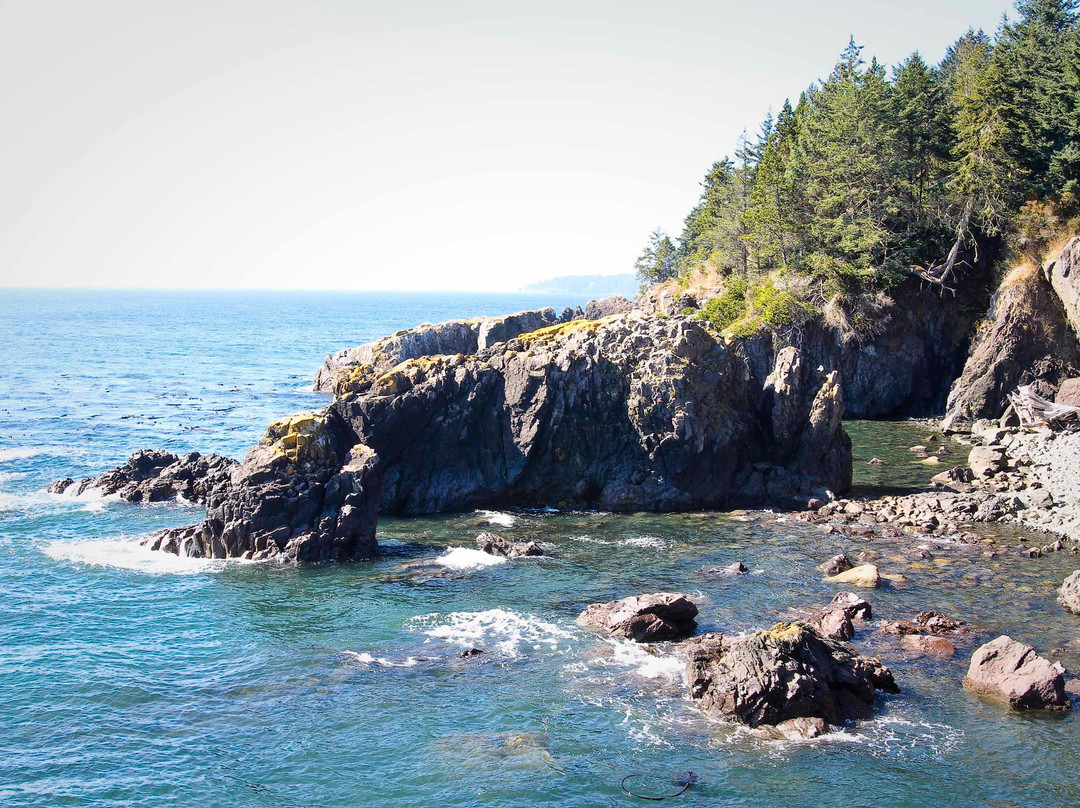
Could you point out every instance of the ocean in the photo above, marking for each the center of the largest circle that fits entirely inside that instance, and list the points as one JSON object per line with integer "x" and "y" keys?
{"x": 132, "y": 678}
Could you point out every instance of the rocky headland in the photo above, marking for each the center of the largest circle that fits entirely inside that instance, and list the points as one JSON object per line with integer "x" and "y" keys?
{"x": 630, "y": 411}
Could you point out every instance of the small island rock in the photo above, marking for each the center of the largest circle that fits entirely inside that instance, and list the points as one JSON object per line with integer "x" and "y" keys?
{"x": 787, "y": 672}
{"x": 644, "y": 618}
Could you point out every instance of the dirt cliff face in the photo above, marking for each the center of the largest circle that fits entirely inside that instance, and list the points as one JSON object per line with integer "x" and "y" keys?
{"x": 627, "y": 412}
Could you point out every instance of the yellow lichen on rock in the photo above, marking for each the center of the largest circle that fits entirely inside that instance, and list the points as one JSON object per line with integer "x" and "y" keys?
{"x": 783, "y": 632}
{"x": 552, "y": 333}
{"x": 288, "y": 435}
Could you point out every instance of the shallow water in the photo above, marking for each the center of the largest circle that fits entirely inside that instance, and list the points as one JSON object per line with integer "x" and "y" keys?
{"x": 134, "y": 678}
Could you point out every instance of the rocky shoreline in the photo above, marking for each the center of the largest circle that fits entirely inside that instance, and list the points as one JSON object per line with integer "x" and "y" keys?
{"x": 627, "y": 408}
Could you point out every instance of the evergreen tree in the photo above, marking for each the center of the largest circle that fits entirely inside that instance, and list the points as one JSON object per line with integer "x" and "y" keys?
{"x": 985, "y": 181}
{"x": 1032, "y": 54}
{"x": 769, "y": 219}
{"x": 842, "y": 159}
{"x": 658, "y": 262}
{"x": 922, "y": 139}
{"x": 712, "y": 231}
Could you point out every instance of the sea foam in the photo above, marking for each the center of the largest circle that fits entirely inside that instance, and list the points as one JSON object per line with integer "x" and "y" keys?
{"x": 466, "y": 558}
{"x": 499, "y": 629}
{"x": 128, "y": 554}
{"x": 498, "y": 518}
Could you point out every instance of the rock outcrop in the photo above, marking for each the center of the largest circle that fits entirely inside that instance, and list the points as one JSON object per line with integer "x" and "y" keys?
{"x": 444, "y": 339}
{"x": 1012, "y": 673}
{"x": 155, "y": 476}
{"x": 629, "y": 412}
{"x": 643, "y": 618}
{"x": 902, "y": 362}
{"x": 616, "y": 304}
{"x": 622, "y": 413}
{"x": 1069, "y": 593}
{"x": 1063, "y": 273}
{"x": 308, "y": 490}
{"x": 1030, "y": 338}
{"x": 785, "y": 673}
{"x": 494, "y": 544}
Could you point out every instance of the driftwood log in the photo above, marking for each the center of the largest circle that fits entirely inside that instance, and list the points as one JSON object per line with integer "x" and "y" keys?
{"x": 1036, "y": 412}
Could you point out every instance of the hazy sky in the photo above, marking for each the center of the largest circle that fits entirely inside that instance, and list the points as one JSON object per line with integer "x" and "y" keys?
{"x": 390, "y": 145}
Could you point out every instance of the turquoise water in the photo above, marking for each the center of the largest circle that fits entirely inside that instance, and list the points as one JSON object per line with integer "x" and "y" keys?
{"x": 129, "y": 678}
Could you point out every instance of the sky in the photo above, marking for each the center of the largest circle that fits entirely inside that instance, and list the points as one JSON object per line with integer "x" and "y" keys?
{"x": 347, "y": 144}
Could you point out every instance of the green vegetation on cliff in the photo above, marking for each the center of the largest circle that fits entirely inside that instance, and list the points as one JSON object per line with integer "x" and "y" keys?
{"x": 874, "y": 175}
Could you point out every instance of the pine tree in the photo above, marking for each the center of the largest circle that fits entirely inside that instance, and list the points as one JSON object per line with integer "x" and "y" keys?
{"x": 922, "y": 140}
{"x": 983, "y": 187}
{"x": 658, "y": 262}
{"x": 1032, "y": 54}
{"x": 842, "y": 158}
{"x": 769, "y": 221}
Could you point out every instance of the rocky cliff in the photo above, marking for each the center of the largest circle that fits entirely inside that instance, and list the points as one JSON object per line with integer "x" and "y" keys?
{"x": 626, "y": 412}
{"x": 909, "y": 346}
{"x": 1029, "y": 337}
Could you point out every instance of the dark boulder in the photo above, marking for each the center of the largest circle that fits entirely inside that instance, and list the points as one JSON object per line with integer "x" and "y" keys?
{"x": 787, "y": 672}
{"x": 856, "y": 607}
{"x": 836, "y": 565}
{"x": 834, "y": 624}
{"x": 644, "y": 618}
{"x": 494, "y": 544}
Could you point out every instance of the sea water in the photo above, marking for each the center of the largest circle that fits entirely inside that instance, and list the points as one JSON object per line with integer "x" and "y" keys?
{"x": 133, "y": 678}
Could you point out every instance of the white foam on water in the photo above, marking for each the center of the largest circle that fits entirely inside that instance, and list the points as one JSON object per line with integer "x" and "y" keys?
{"x": 391, "y": 543}
{"x": 498, "y": 518}
{"x": 11, "y": 475}
{"x": 25, "y": 452}
{"x": 643, "y": 541}
{"x": 93, "y": 507}
{"x": 504, "y": 631}
{"x": 128, "y": 554}
{"x": 652, "y": 542}
{"x": 370, "y": 659}
{"x": 642, "y": 661}
{"x": 466, "y": 558}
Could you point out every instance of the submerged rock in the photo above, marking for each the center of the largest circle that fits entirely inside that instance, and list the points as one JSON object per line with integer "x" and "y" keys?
{"x": 1069, "y": 593}
{"x": 644, "y": 618}
{"x": 1010, "y": 672}
{"x": 787, "y": 672}
{"x": 494, "y": 544}
{"x": 155, "y": 476}
{"x": 796, "y": 729}
{"x": 923, "y": 644}
{"x": 926, "y": 623}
